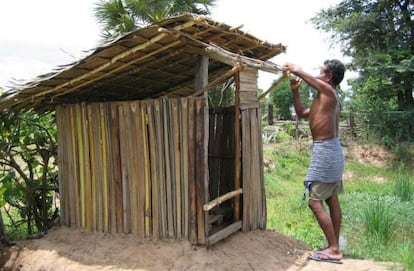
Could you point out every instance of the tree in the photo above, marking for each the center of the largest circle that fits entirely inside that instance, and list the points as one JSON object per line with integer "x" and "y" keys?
{"x": 118, "y": 17}
{"x": 379, "y": 37}
{"x": 281, "y": 97}
{"x": 28, "y": 176}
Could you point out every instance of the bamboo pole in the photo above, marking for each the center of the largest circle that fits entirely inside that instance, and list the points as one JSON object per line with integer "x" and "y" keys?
{"x": 185, "y": 165}
{"x": 237, "y": 150}
{"x": 153, "y": 171}
{"x": 104, "y": 146}
{"x": 220, "y": 79}
{"x": 285, "y": 75}
{"x": 177, "y": 170}
{"x": 147, "y": 181}
{"x": 81, "y": 162}
{"x": 211, "y": 204}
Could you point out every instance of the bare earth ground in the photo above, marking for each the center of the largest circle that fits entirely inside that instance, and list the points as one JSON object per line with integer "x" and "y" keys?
{"x": 65, "y": 249}
{"x": 79, "y": 250}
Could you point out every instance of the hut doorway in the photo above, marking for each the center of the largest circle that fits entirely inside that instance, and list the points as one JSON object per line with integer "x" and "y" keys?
{"x": 222, "y": 219}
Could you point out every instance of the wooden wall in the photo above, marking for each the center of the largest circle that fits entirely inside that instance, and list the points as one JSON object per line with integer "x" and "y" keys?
{"x": 135, "y": 167}
{"x": 254, "y": 198}
{"x": 142, "y": 167}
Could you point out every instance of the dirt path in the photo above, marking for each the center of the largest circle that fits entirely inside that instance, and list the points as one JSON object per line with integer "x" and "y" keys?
{"x": 68, "y": 249}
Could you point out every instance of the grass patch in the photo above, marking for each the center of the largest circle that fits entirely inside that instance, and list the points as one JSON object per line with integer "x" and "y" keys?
{"x": 377, "y": 206}
{"x": 404, "y": 184}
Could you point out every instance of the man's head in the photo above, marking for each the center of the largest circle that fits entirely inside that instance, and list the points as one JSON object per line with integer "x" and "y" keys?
{"x": 336, "y": 69}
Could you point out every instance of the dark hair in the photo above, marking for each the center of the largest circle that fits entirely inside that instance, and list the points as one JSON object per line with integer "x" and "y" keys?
{"x": 336, "y": 68}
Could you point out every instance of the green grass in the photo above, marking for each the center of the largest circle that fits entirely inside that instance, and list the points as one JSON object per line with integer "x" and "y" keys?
{"x": 377, "y": 205}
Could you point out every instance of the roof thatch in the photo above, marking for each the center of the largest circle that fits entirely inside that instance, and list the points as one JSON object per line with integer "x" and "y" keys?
{"x": 158, "y": 60}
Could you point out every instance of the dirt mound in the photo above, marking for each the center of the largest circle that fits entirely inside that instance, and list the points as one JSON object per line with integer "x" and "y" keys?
{"x": 69, "y": 249}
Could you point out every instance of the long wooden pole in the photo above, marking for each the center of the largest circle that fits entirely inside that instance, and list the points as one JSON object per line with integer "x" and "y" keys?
{"x": 237, "y": 148}
{"x": 220, "y": 79}
{"x": 275, "y": 83}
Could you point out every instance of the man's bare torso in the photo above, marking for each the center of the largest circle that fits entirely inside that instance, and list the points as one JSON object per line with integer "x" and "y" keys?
{"x": 324, "y": 116}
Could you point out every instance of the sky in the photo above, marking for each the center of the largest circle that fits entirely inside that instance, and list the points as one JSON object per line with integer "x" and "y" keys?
{"x": 36, "y": 37}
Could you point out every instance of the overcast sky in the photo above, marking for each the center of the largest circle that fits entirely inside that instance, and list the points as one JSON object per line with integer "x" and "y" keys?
{"x": 38, "y": 36}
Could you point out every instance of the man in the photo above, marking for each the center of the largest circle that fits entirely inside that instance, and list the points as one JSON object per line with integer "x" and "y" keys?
{"x": 324, "y": 176}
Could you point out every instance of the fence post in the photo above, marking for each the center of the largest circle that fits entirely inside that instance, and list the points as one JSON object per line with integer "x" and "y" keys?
{"x": 270, "y": 114}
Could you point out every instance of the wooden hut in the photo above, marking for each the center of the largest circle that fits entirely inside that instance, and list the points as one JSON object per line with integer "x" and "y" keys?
{"x": 140, "y": 148}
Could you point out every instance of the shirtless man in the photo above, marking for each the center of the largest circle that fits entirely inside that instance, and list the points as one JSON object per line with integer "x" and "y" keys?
{"x": 324, "y": 176}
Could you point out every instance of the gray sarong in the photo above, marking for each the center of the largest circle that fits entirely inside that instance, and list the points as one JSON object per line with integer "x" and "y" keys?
{"x": 327, "y": 162}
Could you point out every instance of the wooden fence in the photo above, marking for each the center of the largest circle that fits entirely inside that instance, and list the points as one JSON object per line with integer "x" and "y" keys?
{"x": 126, "y": 167}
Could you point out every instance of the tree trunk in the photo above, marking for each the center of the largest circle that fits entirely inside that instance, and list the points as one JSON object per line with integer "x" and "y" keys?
{"x": 4, "y": 240}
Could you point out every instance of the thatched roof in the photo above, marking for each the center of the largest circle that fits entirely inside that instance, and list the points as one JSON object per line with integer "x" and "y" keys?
{"x": 158, "y": 60}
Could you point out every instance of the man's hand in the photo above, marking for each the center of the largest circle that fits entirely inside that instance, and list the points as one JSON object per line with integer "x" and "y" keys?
{"x": 292, "y": 68}
{"x": 295, "y": 84}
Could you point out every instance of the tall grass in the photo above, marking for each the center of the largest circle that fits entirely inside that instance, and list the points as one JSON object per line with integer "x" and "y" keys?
{"x": 404, "y": 187}
{"x": 379, "y": 221}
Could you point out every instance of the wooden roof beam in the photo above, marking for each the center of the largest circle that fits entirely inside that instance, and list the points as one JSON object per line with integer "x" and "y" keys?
{"x": 228, "y": 57}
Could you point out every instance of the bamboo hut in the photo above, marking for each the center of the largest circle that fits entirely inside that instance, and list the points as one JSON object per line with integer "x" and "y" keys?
{"x": 141, "y": 150}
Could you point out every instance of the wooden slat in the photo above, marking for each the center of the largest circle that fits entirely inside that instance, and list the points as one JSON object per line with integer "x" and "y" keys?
{"x": 213, "y": 203}
{"x": 227, "y": 231}
{"x": 112, "y": 225}
{"x": 201, "y": 167}
{"x": 139, "y": 167}
{"x": 184, "y": 165}
{"x": 87, "y": 168}
{"x": 73, "y": 177}
{"x": 133, "y": 167}
{"x": 161, "y": 170}
{"x": 117, "y": 168}
{"x": 168, "y": 181}
{"x": 176, "y": 167}
{"x": 147, "y": 180}
{"x": 237, "y": 147}
{"x": 153, "y": 172}
{"x": 104, "y": 169}
{"x": 246, "y": 173}
{"x": 92, "y": 147}
{"x": 124, "y": 126}
{"x": 193, "y": 231}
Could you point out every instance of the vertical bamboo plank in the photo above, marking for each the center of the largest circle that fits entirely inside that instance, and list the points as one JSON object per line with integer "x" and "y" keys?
{"x": 80, "y": 159}
{"x": 167, "y": 155}
{"x": 111, "y": 211}
{"x": 97, "y": 133}
{"x": 124, "y": 126}
{"x": 184, "y": 165}
{"x": 246, "y": 187}
{"x": 255, "y": 187}
{"x": 73, "y": 187}
{"x": 132, "y": 142}
{"x": 117, "y": 170}
{"x": 138, "y": 169}
{"x": 98, "y": 165}
{"x": 147, "y": 180}
{"x": 193, "y": 231}
{"x": 153, "y": 171}
{"x": 105, "y": 165}
{"x": 177, "y": 170}
{"x": 87, "y": 167}
{"x": 90, "y": 115}
{"x": 237, "y": 147}
{"x": 201, "y": 166}
{"x": 158, "y": 108}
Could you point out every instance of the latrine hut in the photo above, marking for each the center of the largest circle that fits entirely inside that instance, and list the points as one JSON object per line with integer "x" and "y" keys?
{"x": 142, "y": 149}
